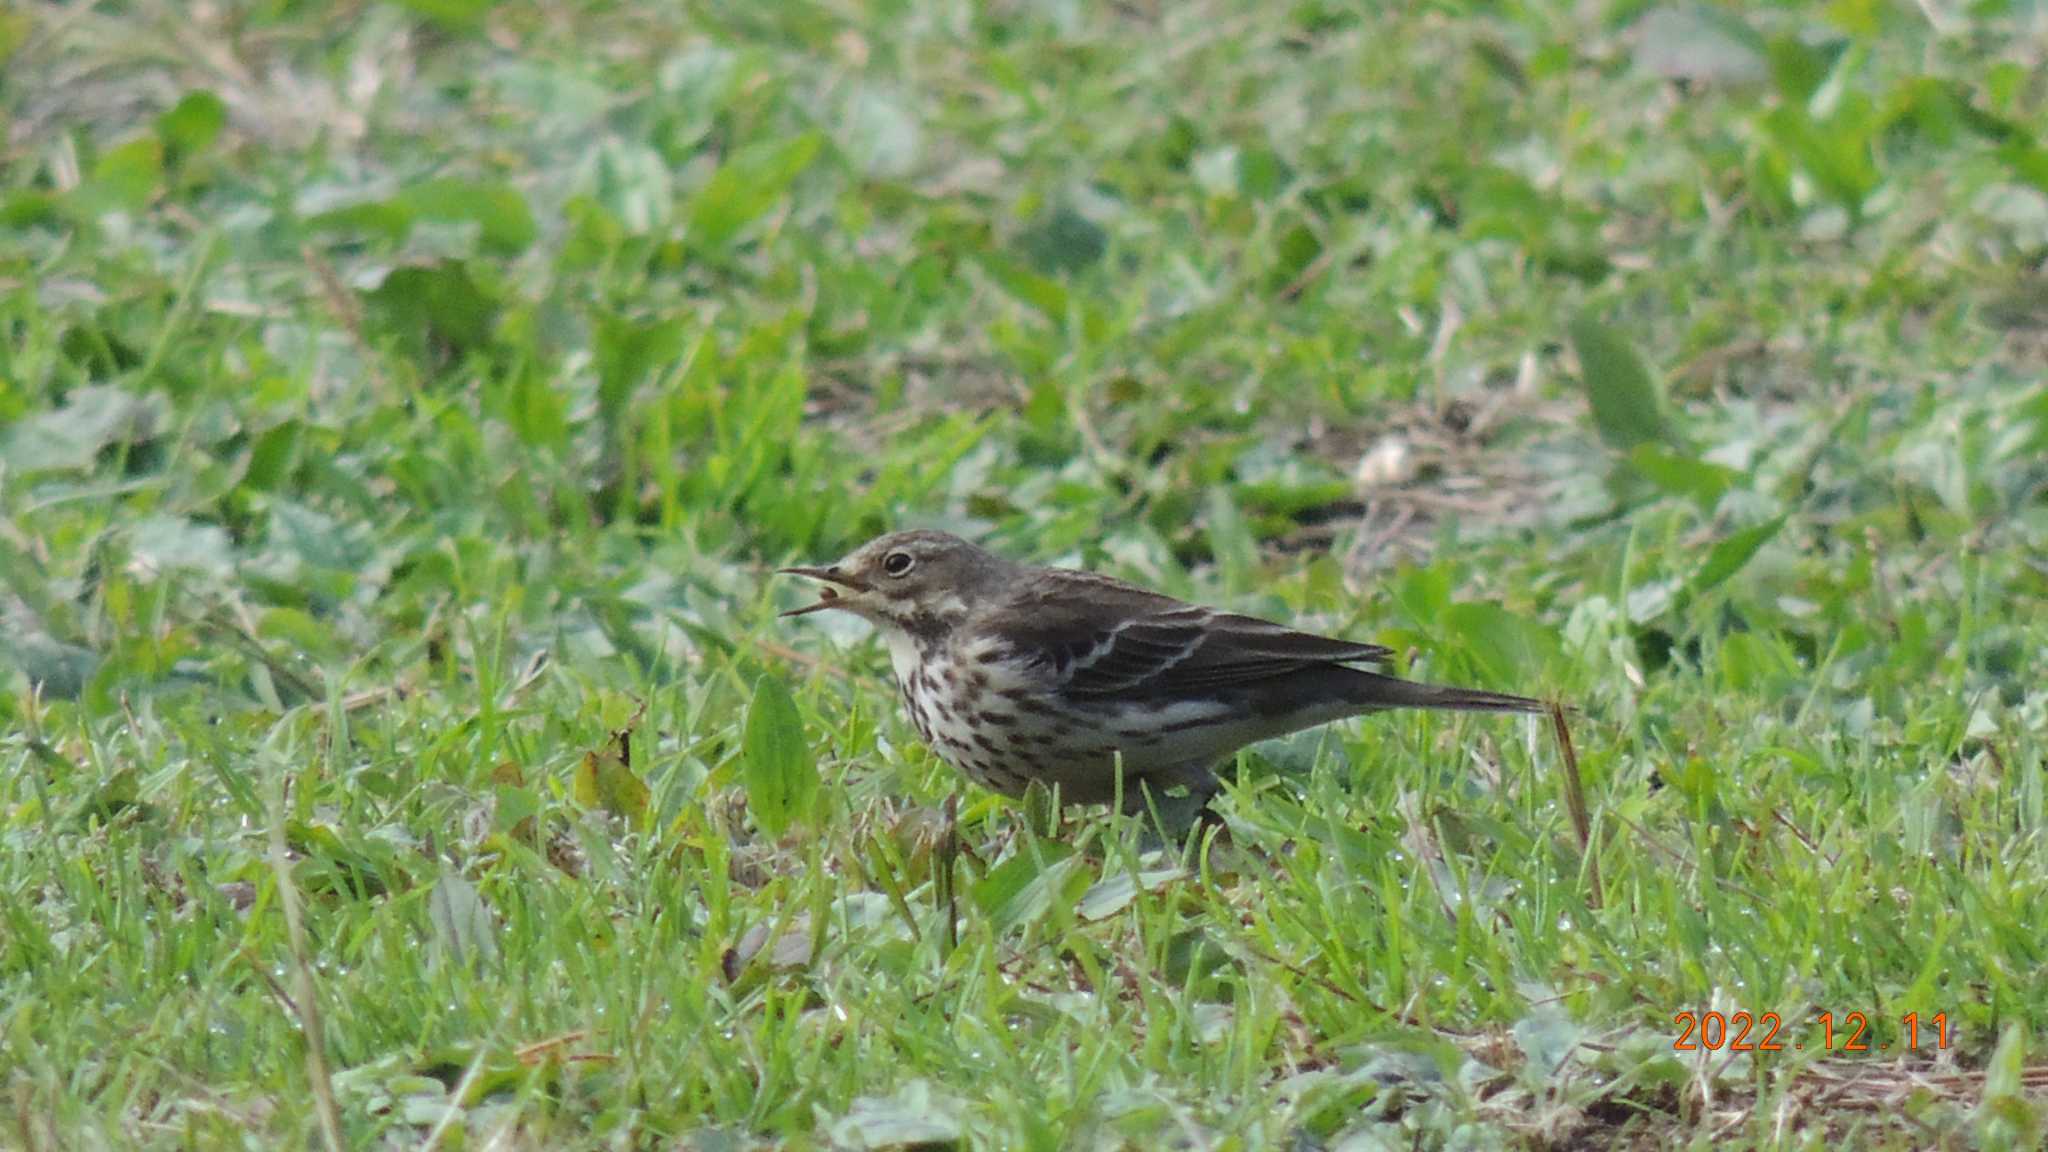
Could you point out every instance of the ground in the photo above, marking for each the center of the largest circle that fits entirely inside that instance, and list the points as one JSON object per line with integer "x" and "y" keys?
{"x": 405, "y": 405}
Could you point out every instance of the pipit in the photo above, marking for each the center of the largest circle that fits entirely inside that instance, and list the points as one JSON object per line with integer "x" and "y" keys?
{"x": 1014, "y": 673}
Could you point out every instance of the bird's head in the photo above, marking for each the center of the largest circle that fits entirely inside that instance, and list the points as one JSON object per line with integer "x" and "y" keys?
{"x": 918, "y": 582}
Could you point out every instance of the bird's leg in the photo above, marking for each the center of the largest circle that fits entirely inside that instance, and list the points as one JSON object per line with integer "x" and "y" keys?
{"x": 944, "y": 860}
{"x": 1172, "y": 804}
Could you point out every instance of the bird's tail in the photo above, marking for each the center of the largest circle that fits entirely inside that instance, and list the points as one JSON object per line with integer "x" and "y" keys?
{"x": 1372, "y": 690}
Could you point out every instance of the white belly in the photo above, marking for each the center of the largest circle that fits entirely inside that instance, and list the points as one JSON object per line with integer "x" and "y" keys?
{"x": 902, "y": 654}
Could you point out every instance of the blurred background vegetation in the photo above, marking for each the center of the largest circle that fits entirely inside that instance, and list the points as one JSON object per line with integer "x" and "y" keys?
{"x": 402, "y": 403}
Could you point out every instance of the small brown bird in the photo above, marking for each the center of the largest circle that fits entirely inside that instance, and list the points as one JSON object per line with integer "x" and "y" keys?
{"x": 1014, "y": 673}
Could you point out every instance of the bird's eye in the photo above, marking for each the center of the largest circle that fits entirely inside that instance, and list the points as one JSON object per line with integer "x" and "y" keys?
{"x": 898, "y": 563}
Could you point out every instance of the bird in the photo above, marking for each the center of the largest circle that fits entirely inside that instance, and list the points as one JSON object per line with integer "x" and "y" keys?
{"x": 1014, "y": 673}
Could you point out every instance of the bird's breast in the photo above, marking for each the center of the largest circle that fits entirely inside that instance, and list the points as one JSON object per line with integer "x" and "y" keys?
{"x": 1005, "y": 722}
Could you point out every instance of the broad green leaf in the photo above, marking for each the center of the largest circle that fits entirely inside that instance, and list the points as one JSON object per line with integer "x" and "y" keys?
{"x": 538, "y": 410}
{"x": 440, "y": 305}
{"x": 1696, "y": 777}
{"x": 1512, "y": 649}
{"x": 2033, "y": 415}
{"x": 456, "y": 15}
{"x": 629, "y": 353}
{"x": 310, "y": 550}
{"x": 1683, "y": 475}
{"x": 1294, "y": 250}
{"x": 629, "y": 185}
{"x": 355, "y": 866}
{"x": 1195, "y": 958}
{"x": 879, "y": 134}
{"x": 2028, "y": 161}
{"x": 162, "y": 545}
{"x": 1062, "y": 241}
{"x": 1274, "y": 478}
{"x": 1263, "y": 173}
{"x": 1041, "y": 292}
{"x": 2004, "y": 1075}
{"x": 1230, "y": 540}
{"x": 1108, "y": 897}
{"x": 1731, "y": 553}
{"x": 24, "y": 207}
{"x": 119, "y": 794}
{"x": 465, "y": 931}
{"x": 915, "y": 1117}
{"x": 191, "y": 125}
{"x": 1560, "y": 235}
{"x": 1424, "y": 594}
{"x": 1837, "y": 154}
{"x": 1799, "y": 68}
{"x": 746, "y": 186}
{"x": 1548, "y": 1037}
{"x": 1700, "y": 42}
{"x": 300, "y": 631}
{"x": 2006, "y": 1118}
{"x": 504, "y": 222}
{"x": 781, "y": 774}
{"x": 1628, "y": 402}
{"x": 272, "y": 455}
{"x": 388, "y": 219}
{"x": 57, "y": 670}
{"x": 1041, "y": 814}
{"x": 1943, "y": 112}
{"x": 71, "y": 437}
{"x": 125, "y": 179}
{"x": 1752, "y": 662}
{"x": 1022, "y": 889}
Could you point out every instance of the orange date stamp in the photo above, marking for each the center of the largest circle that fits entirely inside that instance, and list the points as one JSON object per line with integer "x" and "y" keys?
{"x": 1824, "y": 1031}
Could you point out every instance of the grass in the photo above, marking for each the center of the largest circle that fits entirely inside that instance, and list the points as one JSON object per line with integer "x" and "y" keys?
{"x": 404, "y": 405}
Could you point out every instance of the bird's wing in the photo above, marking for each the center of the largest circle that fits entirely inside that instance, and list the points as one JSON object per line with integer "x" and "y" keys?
{"x": 1104, "y": 638}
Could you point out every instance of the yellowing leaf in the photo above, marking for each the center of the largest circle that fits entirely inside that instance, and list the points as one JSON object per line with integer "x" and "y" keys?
{"x": 516, "y": 803}
{"x": 605, "y": 779}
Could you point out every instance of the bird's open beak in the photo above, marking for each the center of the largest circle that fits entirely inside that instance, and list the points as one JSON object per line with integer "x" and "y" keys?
{"x": 828, "y": 596}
